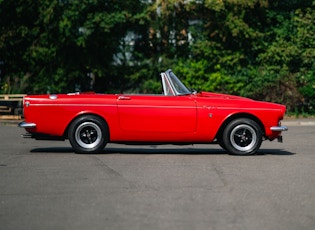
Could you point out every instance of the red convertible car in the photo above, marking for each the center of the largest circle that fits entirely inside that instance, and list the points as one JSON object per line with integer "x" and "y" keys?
{"x": 177, "y": 116}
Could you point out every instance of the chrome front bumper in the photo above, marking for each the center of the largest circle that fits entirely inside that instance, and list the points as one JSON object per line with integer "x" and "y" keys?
{"x": 279, "y": 128}
{"x": 27, "y": 125}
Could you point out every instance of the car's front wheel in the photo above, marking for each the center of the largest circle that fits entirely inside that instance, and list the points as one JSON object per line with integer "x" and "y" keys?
{"x": 242, "y": 137}
{"x": 88, "y": 134}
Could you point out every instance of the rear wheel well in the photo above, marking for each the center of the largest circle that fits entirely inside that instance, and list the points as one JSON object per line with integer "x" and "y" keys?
{"x": 65, "y": 134}
{"x": 236, "y": 116}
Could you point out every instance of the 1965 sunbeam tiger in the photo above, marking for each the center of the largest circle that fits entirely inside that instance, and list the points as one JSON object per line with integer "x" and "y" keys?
{"x": 178, "y": 116}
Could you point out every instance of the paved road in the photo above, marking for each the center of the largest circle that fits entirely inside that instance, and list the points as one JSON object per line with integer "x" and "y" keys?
{"x": 44, "y": 185}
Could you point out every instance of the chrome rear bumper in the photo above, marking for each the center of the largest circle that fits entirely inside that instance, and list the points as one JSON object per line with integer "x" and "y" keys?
{"x": 27, "y": 125}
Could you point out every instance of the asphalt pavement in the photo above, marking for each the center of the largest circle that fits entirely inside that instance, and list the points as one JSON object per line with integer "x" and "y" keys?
{"x": 44, "y": 185}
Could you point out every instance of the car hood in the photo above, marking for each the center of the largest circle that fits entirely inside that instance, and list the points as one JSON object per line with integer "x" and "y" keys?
{"x": 221, "y": 96}
{"x": 226, "y": 99}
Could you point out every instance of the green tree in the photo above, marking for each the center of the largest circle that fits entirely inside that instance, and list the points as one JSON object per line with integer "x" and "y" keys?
{"x": 16, "y": 36}
{"x": 62, "y": 43}
{"x": 255, "y": 48}
{"x": 286, "y": 66}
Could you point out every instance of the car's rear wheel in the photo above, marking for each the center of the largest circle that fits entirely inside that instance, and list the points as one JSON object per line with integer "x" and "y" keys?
{"x": 88, "y": 134}
{"x": 242, "y": 137}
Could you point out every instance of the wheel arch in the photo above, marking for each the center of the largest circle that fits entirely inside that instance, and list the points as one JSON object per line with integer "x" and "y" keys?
{"x": 65, "y": 133}
{"x": 236, "y": 116}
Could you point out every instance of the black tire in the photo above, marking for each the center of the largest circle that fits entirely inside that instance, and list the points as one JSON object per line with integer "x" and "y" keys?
{"x": 242, "y": 137}
{"x": 221, "y": 143}
{"x": 88, "y": 134}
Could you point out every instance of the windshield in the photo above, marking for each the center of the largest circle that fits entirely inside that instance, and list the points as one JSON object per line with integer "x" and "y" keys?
{"x": 180, "y": 88}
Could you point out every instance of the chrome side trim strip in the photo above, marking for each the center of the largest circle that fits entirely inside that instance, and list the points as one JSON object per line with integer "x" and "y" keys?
{"x": 24, "y": 124}
{"x": 279, "y": 128}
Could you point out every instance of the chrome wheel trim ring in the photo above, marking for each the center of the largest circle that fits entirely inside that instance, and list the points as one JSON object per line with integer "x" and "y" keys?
{"x": 243, "y": 137}
{"x": 88, "y": 135}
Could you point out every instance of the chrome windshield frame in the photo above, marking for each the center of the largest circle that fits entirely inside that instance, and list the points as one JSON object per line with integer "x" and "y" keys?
{"x": 172, "y": 86}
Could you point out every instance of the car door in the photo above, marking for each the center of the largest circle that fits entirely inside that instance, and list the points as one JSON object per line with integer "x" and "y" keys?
{"x": 158, "y": 113}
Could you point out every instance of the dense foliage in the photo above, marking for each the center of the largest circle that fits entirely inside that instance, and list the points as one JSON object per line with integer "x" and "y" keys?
{"x": 255, "y": 48}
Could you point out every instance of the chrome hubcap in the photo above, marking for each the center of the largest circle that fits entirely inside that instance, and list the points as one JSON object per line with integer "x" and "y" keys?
{"x": 88, "y": 135}
{"x": 243, "y": 137}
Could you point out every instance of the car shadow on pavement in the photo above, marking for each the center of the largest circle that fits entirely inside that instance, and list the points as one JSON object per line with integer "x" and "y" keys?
{"x": 52, "y": 150}
{"x": 280, "y": 152}
{"x": 154, "y": 150}
{"x": 143, "y": 150}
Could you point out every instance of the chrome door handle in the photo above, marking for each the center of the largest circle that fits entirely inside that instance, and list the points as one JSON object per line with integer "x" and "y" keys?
{"x": 124, "y": 98}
